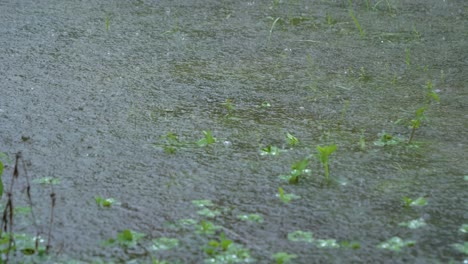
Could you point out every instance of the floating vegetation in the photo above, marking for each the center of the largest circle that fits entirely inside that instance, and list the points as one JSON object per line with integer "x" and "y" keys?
{"x": 396, "y": 244}
{"x": 270, "y": 151}
{"x": 127, "y": 238}
{"x": 253, "y": 218}
{"x": 164, "y": 243}
{"x": 414, "y": 224}
{"x": 283, "y": 257}
{"x": 286, "y": 198}
{"x": 106, "y": 202}
{"x": 298, "y": 169}
{"x": 408, "y": 202}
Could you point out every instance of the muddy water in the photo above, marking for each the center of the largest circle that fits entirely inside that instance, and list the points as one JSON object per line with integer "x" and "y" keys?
{"x": 90, "y": 102}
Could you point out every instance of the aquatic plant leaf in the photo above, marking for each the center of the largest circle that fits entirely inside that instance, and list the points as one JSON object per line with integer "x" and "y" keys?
{"x": 202, "y": 203}
{"x": 47, "y": 180}
{"x": 464, "y": 228}
{"x": 421, "y": 201}
{"x": 283, "y": 257}
{"x": 251, "y": 218}
{"x": 326, "y": 243}
{"x": 301, "y": 236}
{"x": 299, "y": 166}
{"x": 23, "y": 210}
{"x": 325, "y": 152}
{"x": 396, "y": 244}
{"x": 414, "y": 224}
{"x": 129, "y": 238}
{"x": 209, "y": 212}
{"x": 292, "y": 140}
{"x": 206, "y": 228}
{"x": 463, "y": 248}
{"x": 164, "y": 243}
{"x": 270, "y": 150}
{"x": 286, "y": 198}
{"x": 207, "y": 140}
{"x": 351, "y": 244}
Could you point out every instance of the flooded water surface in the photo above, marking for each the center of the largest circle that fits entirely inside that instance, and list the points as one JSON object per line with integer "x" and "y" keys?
{"x": 197, "y": 117}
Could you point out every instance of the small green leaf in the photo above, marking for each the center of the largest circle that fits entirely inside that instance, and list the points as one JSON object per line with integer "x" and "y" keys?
{"x": 421, "y": 201}
{"x": 202, "y": 203}
{"x": 251, "y": 218}
{"x": 326, "y": 243}
{"x": 209, "y": 212}
{"x": 165, "y": 243}
{"x": 292, "y": 140}
{"x": 283, "y": 257}
{"x": 301, "y": 236}
{"x": 414, "y": 224}
{"x": 463, "y": 248}
{"x": 464, "y": 228}
{"x": 270, "y": 150}
{"x": 47, "y": 180}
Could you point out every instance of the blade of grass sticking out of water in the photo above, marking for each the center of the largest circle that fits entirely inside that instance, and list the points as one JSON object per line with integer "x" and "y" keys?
{"x": 356, "y": 22}
{"x": 271, "y": 29}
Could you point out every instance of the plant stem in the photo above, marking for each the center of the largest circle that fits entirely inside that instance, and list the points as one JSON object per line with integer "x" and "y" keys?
{"x": 412, "y": 134}
{"x": 325, "y": 166}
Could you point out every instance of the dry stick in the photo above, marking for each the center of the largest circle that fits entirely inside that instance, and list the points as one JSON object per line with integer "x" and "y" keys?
{"x": 28, "y": 192}
{"x": 8, "y": 213}
{"x": 52, "y": 197}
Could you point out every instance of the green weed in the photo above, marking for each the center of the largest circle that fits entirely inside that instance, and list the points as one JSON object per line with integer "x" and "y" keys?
{"x": 208, "y": 139}
{"x": 270, "y": 150}
{"x": 329, "y": 19}
{"x": 324, "y": 156}
{"x": 298, "y": 169}
{"x": 419, "y": 117}
{"x": 292, "y": 140}
{"x": 386, "y": 139}
{"x": 224, "y": 250}
{"x": 127, "y": 239}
